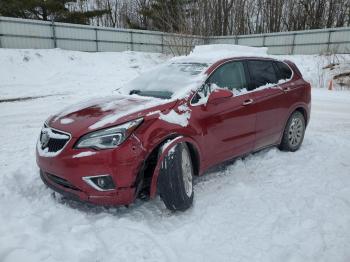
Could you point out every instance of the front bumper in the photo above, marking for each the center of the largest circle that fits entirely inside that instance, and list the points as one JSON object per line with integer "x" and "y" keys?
{"x": 122, "y": 196}
{"x": 64, "y": 173}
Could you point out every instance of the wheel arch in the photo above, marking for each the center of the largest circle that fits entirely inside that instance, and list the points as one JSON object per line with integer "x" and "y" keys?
{"x": 161, "y": 151}
{"x": 300, "y": 108}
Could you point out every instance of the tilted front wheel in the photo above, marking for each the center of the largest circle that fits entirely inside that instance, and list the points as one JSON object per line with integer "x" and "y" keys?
{"x": 293, "y": 134}
{"x": 175, "y": 180}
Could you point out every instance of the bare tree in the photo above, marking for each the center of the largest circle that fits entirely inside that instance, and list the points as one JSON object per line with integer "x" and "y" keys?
{"x": 220, "y": 17}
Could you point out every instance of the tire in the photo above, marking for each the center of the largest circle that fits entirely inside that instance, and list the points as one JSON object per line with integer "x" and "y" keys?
{"x": 293, "y": 134}
{"x": 175, "y": 182}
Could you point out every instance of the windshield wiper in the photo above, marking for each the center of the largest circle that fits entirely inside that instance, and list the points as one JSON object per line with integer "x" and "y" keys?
{"x": 135, "y": 92}
{"x": 156, "y": 94}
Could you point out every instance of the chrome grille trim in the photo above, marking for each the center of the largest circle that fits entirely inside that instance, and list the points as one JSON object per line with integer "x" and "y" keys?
{"x": 55, "y": 142}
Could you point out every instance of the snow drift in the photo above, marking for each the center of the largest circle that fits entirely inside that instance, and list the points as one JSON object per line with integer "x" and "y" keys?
{"x": 270, "y": 206}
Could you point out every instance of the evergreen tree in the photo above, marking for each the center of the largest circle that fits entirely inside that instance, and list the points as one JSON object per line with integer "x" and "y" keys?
{"x": 46, "y": 10}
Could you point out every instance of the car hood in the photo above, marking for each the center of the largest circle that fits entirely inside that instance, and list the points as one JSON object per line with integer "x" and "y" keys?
{"x": 105, "y": 112}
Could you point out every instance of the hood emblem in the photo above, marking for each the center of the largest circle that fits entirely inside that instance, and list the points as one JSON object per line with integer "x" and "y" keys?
{"x": 45, "y": 138}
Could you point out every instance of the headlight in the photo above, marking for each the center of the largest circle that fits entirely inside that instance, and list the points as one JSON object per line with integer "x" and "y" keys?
{"x": 109, "y": 137}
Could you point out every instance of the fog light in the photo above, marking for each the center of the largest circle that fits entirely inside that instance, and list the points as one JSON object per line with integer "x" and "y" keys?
{"x": 100, "y": 183}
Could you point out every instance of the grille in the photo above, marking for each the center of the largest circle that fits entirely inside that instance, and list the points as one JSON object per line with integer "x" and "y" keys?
{"x": 55, "y": 145}
{"x": 60, "y": 181}
{"x": 53, "y": 140}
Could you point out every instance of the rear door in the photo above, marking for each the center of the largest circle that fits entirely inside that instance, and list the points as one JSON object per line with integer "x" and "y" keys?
{"x": 294, "y": 89}
{"x": 269, "y": 102}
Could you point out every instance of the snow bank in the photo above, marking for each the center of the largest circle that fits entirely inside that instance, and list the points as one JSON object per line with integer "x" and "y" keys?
{"x": 270, "y": 206}
{"x": 312, "y": 67}
{"x": 53, "y": 71}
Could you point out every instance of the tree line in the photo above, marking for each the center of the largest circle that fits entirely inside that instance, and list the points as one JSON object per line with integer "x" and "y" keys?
{"x": 199, "y": 17}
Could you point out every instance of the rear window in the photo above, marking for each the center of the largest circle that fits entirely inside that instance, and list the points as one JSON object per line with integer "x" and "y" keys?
{"x": 261, "y": 73}
{"x": 284, "y": 71}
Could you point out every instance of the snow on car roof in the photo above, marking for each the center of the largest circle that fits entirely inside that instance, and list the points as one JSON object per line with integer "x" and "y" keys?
{"x": 177, "y": 77}
{"x": 212, "y": 53}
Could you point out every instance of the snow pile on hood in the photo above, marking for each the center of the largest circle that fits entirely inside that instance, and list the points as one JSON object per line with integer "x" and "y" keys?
{"x": 99, "y": 112}
{"x": 125, "y": 106}
{"x": 216, "y": 52}
{"x": 84, "y": 154}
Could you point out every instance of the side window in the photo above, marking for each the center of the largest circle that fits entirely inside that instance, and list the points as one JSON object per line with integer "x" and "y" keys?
{"x": 230, "y": 75}
{"x": 284, "y": 71}
{"x": 261, "y": 73}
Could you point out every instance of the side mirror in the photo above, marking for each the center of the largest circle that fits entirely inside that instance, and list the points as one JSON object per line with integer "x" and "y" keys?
{"x": 218, "y": 94}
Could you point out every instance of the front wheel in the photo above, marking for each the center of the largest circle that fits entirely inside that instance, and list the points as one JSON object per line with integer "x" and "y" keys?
{"x": 293, "y": 134}
{"x": 175, "y": 181}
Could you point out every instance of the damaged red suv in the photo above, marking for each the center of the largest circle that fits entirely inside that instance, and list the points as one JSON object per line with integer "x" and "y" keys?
{"x": 170, "y": 124}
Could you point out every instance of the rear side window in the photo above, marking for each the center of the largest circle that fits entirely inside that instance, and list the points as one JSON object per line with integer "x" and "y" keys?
{"x": 261, "y": 73}
{"x": 230, "y": 75}
{"x": 284, "y": 71}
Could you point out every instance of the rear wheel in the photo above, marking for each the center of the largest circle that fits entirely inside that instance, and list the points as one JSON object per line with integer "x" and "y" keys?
{"x": 293, "y": 134}
{"x": 175, "y": 181}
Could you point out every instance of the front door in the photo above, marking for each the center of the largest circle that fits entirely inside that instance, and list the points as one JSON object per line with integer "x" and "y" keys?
{"x": 227, "y": 124}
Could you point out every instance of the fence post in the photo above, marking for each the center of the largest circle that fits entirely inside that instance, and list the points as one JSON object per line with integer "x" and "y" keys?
{"x": 54, "y": 33}
{"x": 264, "y": 36}
{"x": 206, "y": 40}
{"x": 236, "y": 39}
{"x": 96, "y": 39}
{"x": 329, "y": 41}
{"x": 293, "y": 44}
{"x": 0, "y": 34}
{"x": 131, "y": 41}
{"x": 162, "y": 43}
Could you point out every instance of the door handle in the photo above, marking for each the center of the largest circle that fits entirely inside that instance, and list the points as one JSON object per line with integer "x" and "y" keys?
{"x": 248, "y": 102}
{"x": 285, "y": 90}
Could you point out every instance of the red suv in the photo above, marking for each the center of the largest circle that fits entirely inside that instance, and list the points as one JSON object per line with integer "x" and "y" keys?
{"x": 170, "y": 124}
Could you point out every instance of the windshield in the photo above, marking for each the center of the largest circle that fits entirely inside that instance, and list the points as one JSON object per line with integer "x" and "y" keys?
{"x": 166, "y": 81}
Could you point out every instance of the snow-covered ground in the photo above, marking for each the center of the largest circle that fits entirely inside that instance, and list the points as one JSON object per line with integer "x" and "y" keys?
{"x": 270, "y": 206}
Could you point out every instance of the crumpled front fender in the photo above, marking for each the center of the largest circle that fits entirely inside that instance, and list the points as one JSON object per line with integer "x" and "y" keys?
{"x": 164, "y": 149}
